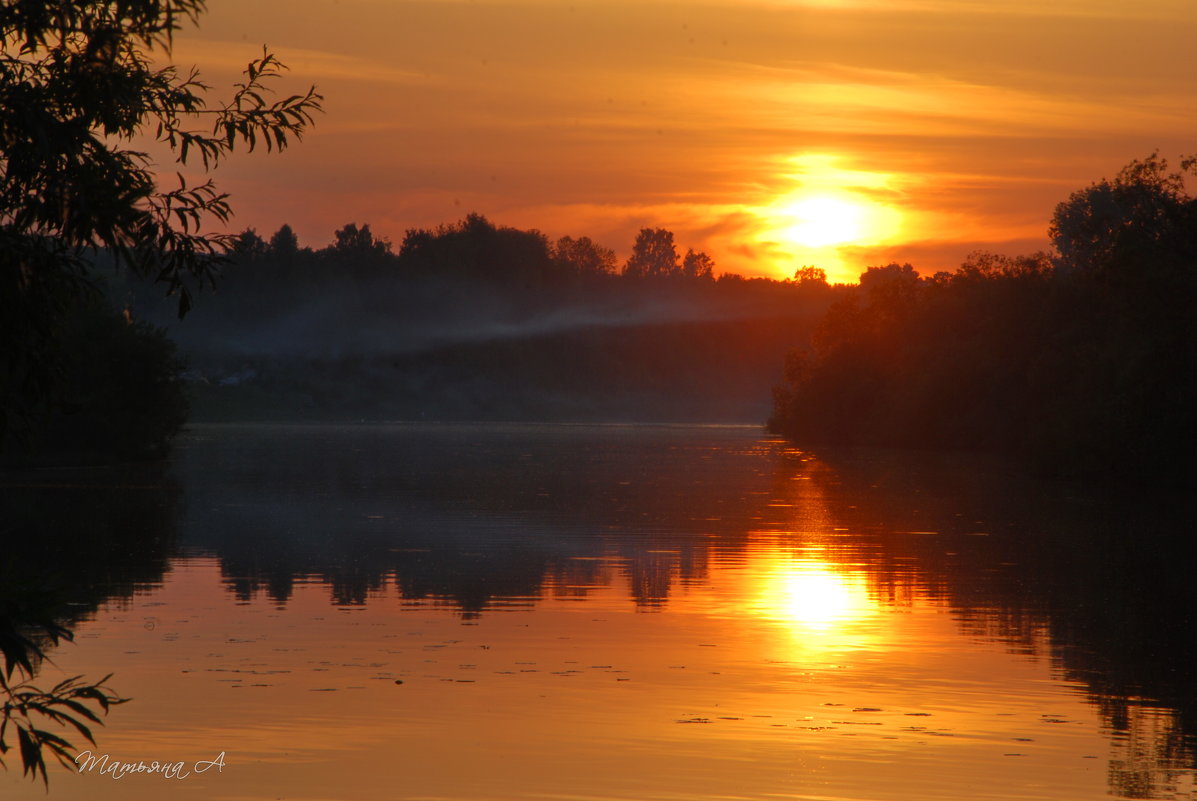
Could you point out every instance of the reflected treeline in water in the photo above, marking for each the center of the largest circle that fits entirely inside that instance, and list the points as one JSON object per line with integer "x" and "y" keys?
{"x": 1094, "y": 578}
{"x": 479, "y": 518}
{"x": 474, "y": 517}
{"x": 89, "y": 535}
{"x": 484, "y": 518}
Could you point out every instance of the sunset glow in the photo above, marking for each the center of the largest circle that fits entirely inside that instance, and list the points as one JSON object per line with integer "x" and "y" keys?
{"x": 820, "y": 220}
{"x": 770, "y": 135}
{"x": 602, "y": 400}
{"x": 831, "y": 212}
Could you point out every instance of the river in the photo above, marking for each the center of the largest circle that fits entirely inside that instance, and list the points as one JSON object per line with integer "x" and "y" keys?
{"x": 575, "y": 613}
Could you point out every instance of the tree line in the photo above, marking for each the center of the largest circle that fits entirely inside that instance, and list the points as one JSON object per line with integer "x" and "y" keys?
{"x": 473, "y": 248}
{"x": 474, "y": 320}
{"x": 1081, "y": 360}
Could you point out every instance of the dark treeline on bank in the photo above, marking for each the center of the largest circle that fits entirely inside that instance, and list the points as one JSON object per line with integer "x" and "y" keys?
{"x": 1082, "y": 361}
{"x": 467, "y": 321}
{"x": 477, "y": 321}
{"x": 1078, "y": 361}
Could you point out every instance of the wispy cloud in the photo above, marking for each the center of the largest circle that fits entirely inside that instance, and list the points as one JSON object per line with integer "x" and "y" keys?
{"x": 225, "y": 56}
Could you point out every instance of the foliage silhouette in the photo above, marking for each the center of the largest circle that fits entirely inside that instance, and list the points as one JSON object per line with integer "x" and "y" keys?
{"x": 653, "y": 255}
{"x": 476, "y": 248}
{"x": 1081, "y": 361}
{"x": 74, "y": 540}
{"x": 1136, "y": 226}
{"x": 284, "y": 244}
{"x": 359, "y": 243}
{"x": 28, "y": 626}
{"x": 583, "y": 257}
{"x": 121, "y": 392}
{"x": 76, "y": 84}
{"x": 696, "y": 264}
{"x": 810, "y": 275}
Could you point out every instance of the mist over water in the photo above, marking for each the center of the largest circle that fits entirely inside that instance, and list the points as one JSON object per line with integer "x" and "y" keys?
{"x": 382, "y": 318}
{"x": 458, "y": 349}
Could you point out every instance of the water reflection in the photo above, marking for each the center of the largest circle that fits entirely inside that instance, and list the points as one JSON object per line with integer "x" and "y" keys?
{"x": 73, "y": 539}
{"x": 1093, "y": 581}
{"x": 854, "y": 594}
{"x": 89, "y": 535}
{"x": 1056, "y": 572}
{"x": 813, "y": 597}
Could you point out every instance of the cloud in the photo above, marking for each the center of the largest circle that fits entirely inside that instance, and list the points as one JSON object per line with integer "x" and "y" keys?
{"x": 222, "y": 55}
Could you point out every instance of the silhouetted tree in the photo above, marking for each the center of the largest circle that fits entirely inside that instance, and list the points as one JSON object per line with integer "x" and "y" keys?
{"x": 653, "y": 255}
{"x": 1142, "y": 220}
{"x": 804, "y": 276}
{"x": 476, "y": 248}
{"x": 284, "y": 244}
{"x": 698, "y": 265}
{"x": 981, "y": 265}
{"x": 77, "y": 82}
{"x": 121, "y": 393}
{"x": 357, "y": 254}
{"x": 249, "y": 246}
{"x": 583, "y": 257}
{"x": 354, "y": 242}
{"x": 891, "y": 290}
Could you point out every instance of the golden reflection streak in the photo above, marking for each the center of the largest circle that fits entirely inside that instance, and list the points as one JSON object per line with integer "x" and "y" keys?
{"x": 821, "y": 605}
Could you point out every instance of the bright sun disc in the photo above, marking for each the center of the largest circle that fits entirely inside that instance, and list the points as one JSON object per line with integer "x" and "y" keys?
{"x": 823, "y": 220}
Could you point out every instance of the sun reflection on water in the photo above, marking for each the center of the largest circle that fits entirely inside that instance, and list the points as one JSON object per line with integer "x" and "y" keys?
{"x": 819, "y": 603}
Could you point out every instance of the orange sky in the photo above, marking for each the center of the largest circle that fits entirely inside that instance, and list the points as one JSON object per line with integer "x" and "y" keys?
{"x": 770, "y": 133}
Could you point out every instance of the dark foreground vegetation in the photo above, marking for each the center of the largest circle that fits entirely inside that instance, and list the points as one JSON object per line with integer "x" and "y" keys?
{"x": 81, "y": 81}
{"x": 1082, "y": 361}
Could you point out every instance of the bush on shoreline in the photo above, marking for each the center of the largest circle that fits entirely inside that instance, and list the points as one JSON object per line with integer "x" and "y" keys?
{"x": 1081, "y": 362}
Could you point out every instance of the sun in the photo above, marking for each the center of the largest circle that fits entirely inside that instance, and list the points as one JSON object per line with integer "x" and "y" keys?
{"x": 812, "y": 220}
{"x": 822, "y": 227}
{"x": 827, "y": 215}
{"x": 817, "y": 221}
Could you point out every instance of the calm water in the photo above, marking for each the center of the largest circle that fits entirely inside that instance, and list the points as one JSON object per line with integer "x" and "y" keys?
{"x": 605, "y": 612}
